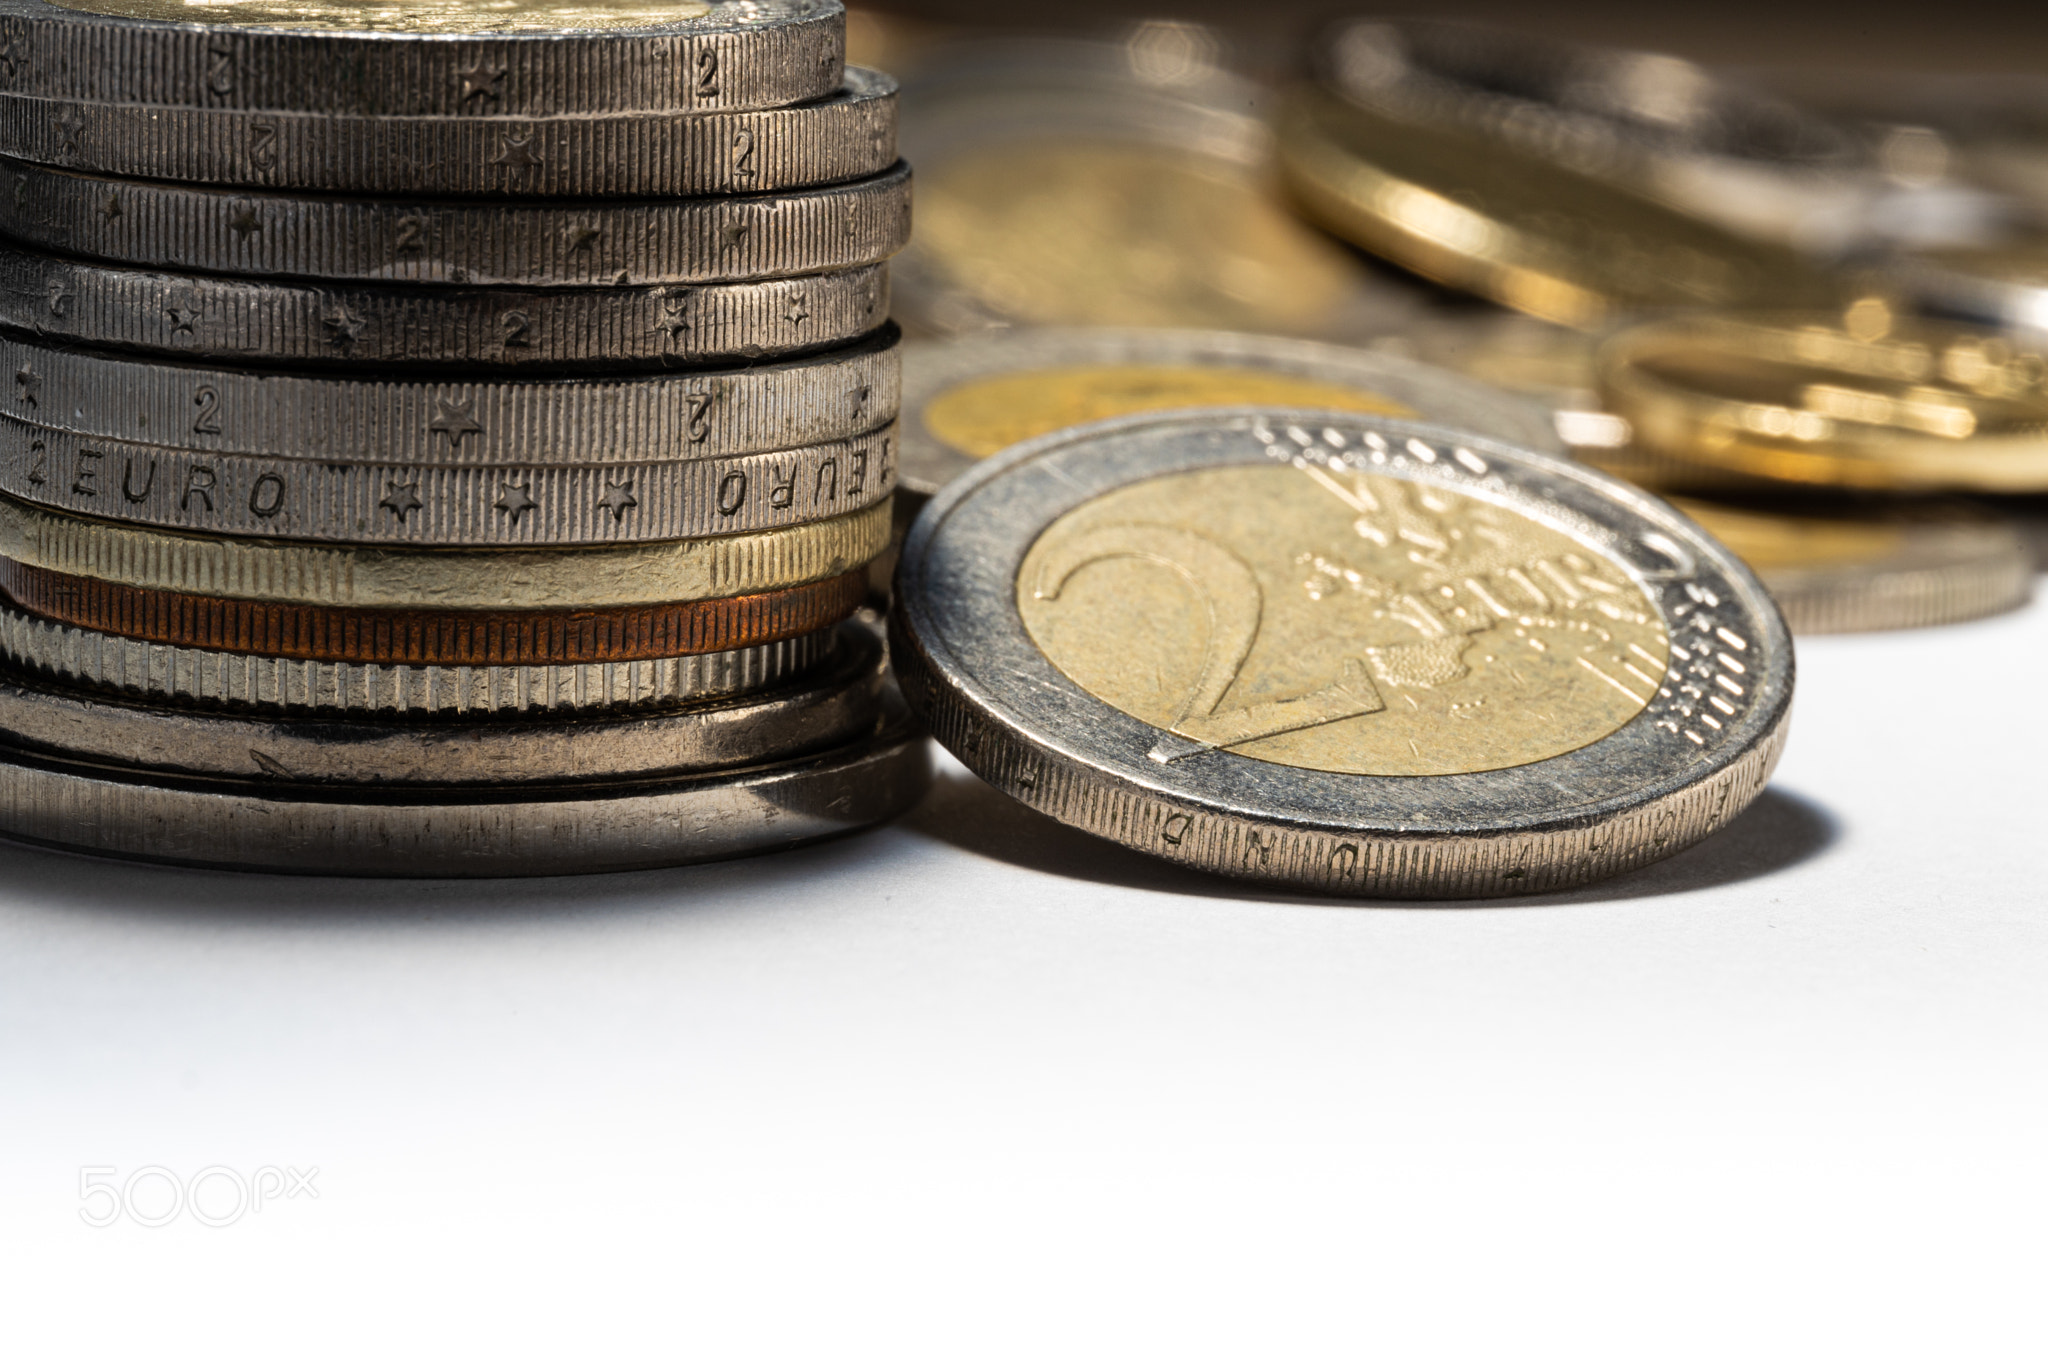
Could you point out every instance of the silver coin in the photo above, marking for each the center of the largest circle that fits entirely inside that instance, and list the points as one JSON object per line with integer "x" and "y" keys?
{"x": 239, "y": 321}
{"x": 700, "y": 414}
{"x": 524, "y": 243}
{"x": 965, "y": 400}
{"x": 1719, "y": 149}
{"x": 443, "y": 505}
{"x": 1347, "y": 654}
{"x": 129, "y": 811}
{"x": 848, "y": 136}
{"x": 804, "y": 715}
{"x": 211, "y": 678}
{"x": 397, "y": 60}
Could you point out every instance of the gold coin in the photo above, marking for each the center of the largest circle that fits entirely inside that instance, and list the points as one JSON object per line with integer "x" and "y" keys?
{"x": 1464, "y": 637}
{"x": 407, "y": 16}
{"x": 1867, "y": 402}
{"x": 1839, "y": 569}
{"x": 1537, "y": 237}
{"x": 443, "y": 580}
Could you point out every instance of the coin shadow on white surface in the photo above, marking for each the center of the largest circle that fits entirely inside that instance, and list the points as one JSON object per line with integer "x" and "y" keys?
{"x": 1780, "y": 831}
{"x": 63, "y": 882}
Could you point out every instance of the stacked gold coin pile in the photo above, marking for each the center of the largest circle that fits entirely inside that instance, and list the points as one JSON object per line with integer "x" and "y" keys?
{"x": 440, "y": 440}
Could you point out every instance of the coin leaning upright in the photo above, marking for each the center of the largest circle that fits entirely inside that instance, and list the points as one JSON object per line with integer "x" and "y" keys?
{"x": 1347, "y": 654}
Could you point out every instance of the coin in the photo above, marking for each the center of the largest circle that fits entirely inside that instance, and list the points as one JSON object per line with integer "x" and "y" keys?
{"x": 519, "y": 243}
{"x": 802, "y": 715}
{"x": 1719, "y": 149}
{"x": 443, "y": 505}
{"x": 970, "y": 398}
{"x": 267, "y": 682}
{"x": 428, "y": 636}
{"x": 1479, "y": 215}
{"x": 130, "y": 811}
{"x": 242, "y": 321}
{"x": 1836, "y": 568}
{"x": 413, "y": 58}
{"x": 847, "y": 136}
{"x": 1811, "y": 399}
{"x": 461, "y": 420}
{"x": 373, "y": 577}
{"x": 1341, "y": 653}
{"x": 1112, "y": 184}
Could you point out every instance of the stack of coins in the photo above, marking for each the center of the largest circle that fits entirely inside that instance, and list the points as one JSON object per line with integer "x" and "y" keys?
{"x": 444, "y": 441}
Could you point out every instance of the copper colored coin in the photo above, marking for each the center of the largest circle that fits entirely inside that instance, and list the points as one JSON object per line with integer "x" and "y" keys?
{"x": 442, "y": 638}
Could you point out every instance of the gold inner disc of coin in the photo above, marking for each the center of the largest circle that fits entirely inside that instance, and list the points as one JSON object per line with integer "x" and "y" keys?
{"x": 982, "y": 416}
{"x": 1341, "y": 621}
{"x": 407, "y": 16}
{"x": 1113, "y": 234}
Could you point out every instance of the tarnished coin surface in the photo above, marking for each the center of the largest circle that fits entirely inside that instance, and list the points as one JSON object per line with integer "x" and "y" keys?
{"x": 427, "y": 637}
{"x": 1838, "y": 567}
{"x": 311, "y": 324}
{"x": 1104, "y": 184}
{"x": 460, "y": 420}
{"x": 1869, "y": 402}
{"x": 405, "y": 579}
{"x": 967, "y": 399}
{"x": 454, "y": 506}
{"x": 803, "y": 715}
{"x": 127, "y": 810}
{"x": 526, "y": 243}
{"x": 844, "y": 137}
{"x": 425, "y": 57}
{"x": 214, "y": 679}
{"x": 1349, "y": 654}
{"x": 1475, "y": 213}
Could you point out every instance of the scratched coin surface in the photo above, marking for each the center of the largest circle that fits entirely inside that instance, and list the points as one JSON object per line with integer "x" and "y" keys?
{"x": 973, "y": 397}
{"x": 425, "y": 57}
{"x": 1347, "y": 653}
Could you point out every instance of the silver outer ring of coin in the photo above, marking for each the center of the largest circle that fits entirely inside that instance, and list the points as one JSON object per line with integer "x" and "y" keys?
{"x": 241, "y": 321}
{"x": 1663, "y": 781}
{"x": 755, "y": 55}
{"x": 848, "y": 136}
{"x": 526, "y": 243}
{"x": 933, "y": 369}
{"x": 802, "y": 716}
{"x": 210, "y": 678}
{"x": 456, "y": 506}
{"x": 699, "y": 414}
{"x": 129, "y": 812}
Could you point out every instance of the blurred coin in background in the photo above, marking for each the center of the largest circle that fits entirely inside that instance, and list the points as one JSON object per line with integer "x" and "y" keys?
{"x": 1127, "y": 184}
{"x": 1855, "y": 400}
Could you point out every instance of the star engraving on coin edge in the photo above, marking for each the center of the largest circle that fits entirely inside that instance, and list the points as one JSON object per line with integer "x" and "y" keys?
{"x": 618, "y": 499}
{"x": 516, "y": 500}
{"x": 455, "y": 420}
{"x": 403, "y": 499}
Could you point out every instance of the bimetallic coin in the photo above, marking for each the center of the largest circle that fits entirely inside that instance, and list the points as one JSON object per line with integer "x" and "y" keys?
{"x": 525, "y": 243}
{"x": 266, "y": 682}
{"x": 424, "y": 57}
{"x": 126, "y": 810}
{"x": 430, "y": 637}
{"x": 586, "y": 156}
{"x": 968, "y": 399}
{"x": 1477, "y": 214}
{"x": 375, "y": 577}
{"x": 1838, "y": 568}
{"x": 1813, "y": 399}
{"x": 1342, "y": 653}
{"x": 1073, "y": 183}
{"x": 267, "y": 322}
{"x": 804, "y": 715}
{"x": 699, "y": 414}
{"x": 1720, "y": 150}
{"x": 443, "y": 505}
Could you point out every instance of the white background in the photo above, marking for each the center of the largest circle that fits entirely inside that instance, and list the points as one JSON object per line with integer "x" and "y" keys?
{"x": 977, "y": 1089}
